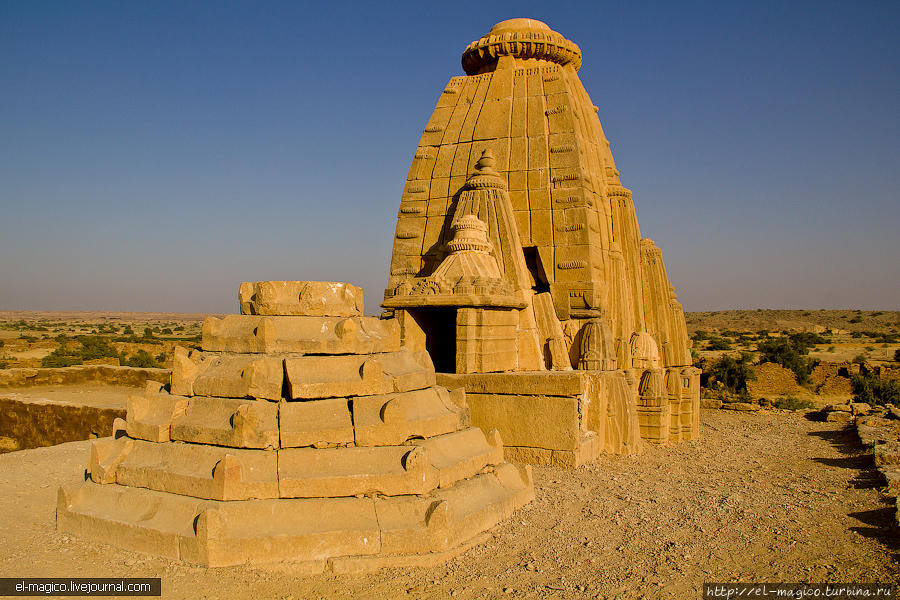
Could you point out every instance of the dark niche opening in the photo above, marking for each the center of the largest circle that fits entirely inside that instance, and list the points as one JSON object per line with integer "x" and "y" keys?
{"x": 539, "y": 282}
{"x": 439, "y": 326}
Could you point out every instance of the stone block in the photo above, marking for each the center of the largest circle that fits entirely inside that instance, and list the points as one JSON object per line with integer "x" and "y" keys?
{"x": 887, "y": 453}
{"x": 892, "y": 477}
{"x": 227, "y": 422}
{"x": 451, "y": 516}
{"x": 838, "y": 417}
{"x": 106, "y": 455}
{"x": 149, "y": 417}
{"x": 462, "y": 454}
{"x": 860, "y": 408}
{"x": 358, "y": 375}
{"x": 272, "y": 531}
{"x": 589, "y": 448}
{"x": 306, "y": 335}
{"x": 320, "y": 423}
{"x": 535, "y": 421}
{"x": 310, "y": 298}
{"x": 332, "y": 472}
{"x": 870, "y": 436}
{"x": 218, "y": 534}
{"x": 209, "y": 472}
{"x": 394, "y": 418}
{"x": 338, "y": 376}
{"x": 227, "y": 375}
{"x": 537, "y": 383}
{"x": 131, "y": 518}
{"x": 741, "y": 406}
{"x": 711, "y": 403}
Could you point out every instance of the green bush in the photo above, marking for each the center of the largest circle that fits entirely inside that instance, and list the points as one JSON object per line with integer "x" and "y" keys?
{"x": 142, "y": 359}
{"x": 874, "y": 390}
{"x": 804, "y": 342}
{"x": 859, "y": 359}
{"x": 733, "y": 373}
{"x": 91, "y": 348}
{"x": 54, "y": 360}
{"x": 718, "y": 344}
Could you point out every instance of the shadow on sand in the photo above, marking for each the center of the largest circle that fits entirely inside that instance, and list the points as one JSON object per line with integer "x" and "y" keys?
{"x": 878, "y": 524}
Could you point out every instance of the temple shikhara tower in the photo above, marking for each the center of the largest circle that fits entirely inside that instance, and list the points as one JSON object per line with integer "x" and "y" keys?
{"x": 519, "y": 266}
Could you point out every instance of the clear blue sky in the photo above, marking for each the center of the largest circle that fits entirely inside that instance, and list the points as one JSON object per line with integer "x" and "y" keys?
{"x": 153, "y": 155}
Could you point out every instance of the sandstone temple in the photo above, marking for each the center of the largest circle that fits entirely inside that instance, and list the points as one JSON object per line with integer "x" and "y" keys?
{"x": 526, "y": 320}
{"x": 518, "y": 264}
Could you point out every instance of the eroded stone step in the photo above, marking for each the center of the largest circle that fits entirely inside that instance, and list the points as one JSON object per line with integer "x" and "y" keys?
{"x": 310, "y": 377}
{"x": 303, "y": 334}
{"x": 210, "y": 472}
{"x": 350, "y": 530}
{"x": 227, "y": 375}
{"x": 227, "y": 422}
{"x": 395, "y": 418}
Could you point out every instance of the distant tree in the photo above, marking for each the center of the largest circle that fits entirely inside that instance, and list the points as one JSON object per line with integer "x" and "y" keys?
{"x": 733, "y": 373}
{"x": 141, "y": 359}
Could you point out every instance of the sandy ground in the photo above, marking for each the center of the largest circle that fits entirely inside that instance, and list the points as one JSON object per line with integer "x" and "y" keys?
{"x": 765, "y": 497}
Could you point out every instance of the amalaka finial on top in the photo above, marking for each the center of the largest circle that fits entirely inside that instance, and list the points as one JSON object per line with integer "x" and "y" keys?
{"x": 519, "y": 24}
{"x": 521, "y": 38}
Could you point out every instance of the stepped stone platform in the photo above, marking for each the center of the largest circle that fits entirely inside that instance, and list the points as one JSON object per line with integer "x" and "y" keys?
{"x": 301, "y": 431}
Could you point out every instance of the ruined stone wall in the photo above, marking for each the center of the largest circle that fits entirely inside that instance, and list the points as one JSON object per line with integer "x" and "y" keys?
{"x": 773, "y": 380}
{"x": 108, "y": 374}
{"x": 26, "y": 425}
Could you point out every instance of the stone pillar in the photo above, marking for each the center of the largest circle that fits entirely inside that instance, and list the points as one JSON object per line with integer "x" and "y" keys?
{"x": 653, "y": 407}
